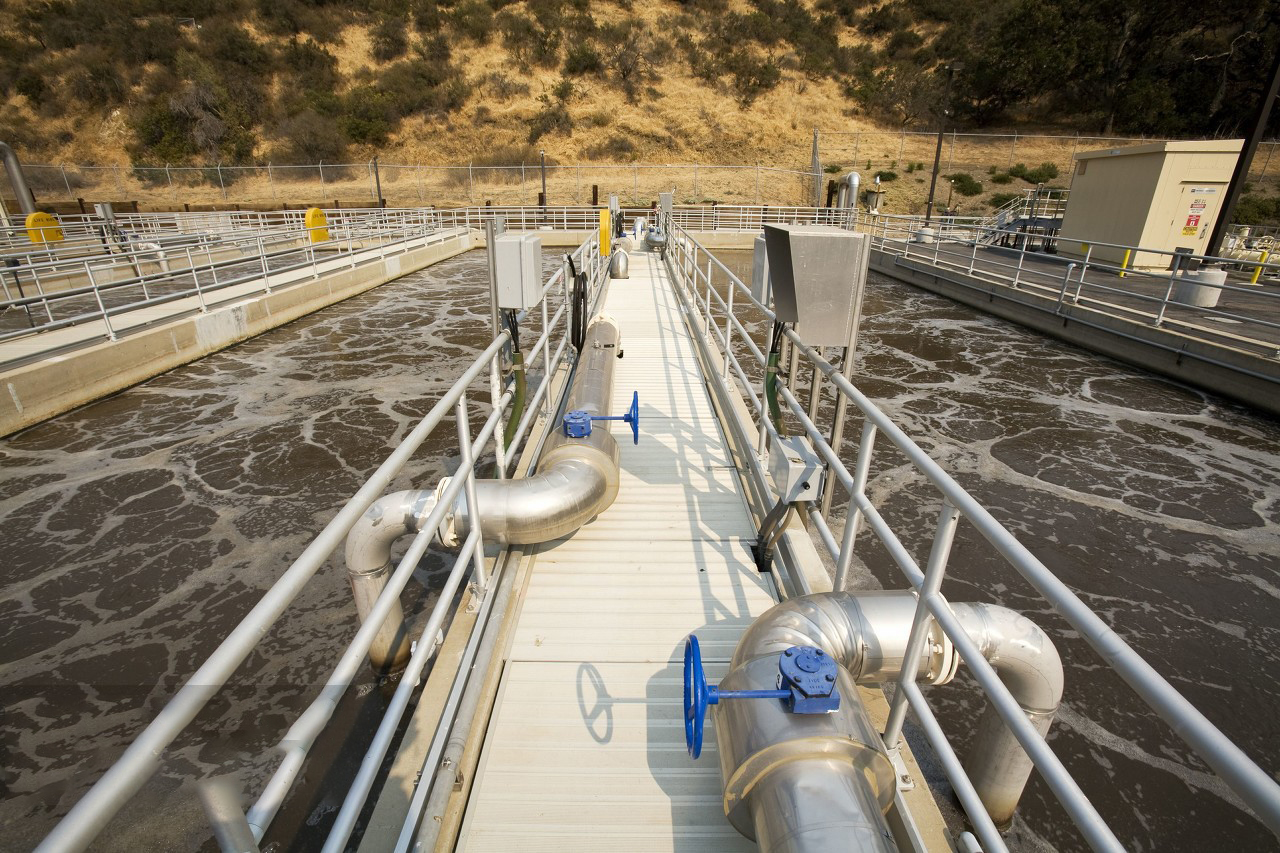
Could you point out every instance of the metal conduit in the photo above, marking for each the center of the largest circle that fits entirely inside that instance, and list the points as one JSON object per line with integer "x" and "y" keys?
{"x": 577, "y": 479}
{"x": 800, "y": 783}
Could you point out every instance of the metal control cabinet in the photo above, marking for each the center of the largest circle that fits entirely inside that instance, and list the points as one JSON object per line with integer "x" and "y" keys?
{"x": 795, "y": 468}
{"x": 818, "y": 273}
{"x": 518, "y": 263}
{"x": 760, "y": 288}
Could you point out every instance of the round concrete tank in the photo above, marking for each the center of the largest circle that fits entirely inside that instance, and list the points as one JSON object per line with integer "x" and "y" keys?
{"x": 1201, "y": 288}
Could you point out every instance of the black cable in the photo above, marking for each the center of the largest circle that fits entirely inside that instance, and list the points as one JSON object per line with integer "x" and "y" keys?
{"x": 577, "y": 307}
{"x": 514, "y": 325}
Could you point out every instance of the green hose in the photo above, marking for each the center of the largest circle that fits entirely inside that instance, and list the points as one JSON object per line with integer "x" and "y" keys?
{"x": 771, "y": 390}
{"x": 517, "y": 402}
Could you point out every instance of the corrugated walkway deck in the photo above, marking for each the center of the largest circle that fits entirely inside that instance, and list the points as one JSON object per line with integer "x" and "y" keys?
{"x": 585, "y": 749}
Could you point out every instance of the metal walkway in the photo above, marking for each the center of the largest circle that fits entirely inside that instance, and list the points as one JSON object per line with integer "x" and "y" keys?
{"x": 585, "y": 749}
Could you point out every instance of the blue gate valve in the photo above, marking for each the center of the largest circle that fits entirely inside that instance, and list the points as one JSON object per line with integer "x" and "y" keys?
{"x": 577, "y": 424}
{"x": 806, "y": 678}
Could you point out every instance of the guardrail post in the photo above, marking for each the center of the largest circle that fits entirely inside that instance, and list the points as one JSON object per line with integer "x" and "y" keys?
{"x": 728, "y": 333}
{"x": 1083, "y": 269}
{"x": 1062, "y": 293}
{"x": 944, "y": 535}
{"x": 853, "y": 515}
{"x": 266, "y": 274}
{"x": 106, "y": 321}
{"x": 195, "y": 280}
{"x": 1017, "y": 275}
{"x": 1173, "y": 275}
{"x": 495, "y": 396}
{"x": 973, "y": 258}
{"x": 467, "y": 468}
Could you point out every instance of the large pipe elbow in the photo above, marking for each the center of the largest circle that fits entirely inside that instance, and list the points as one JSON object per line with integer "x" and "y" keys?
{"x": 368, "y": 556}
{"x": 1029, "y": 666}
{"x": 867, "y": 632}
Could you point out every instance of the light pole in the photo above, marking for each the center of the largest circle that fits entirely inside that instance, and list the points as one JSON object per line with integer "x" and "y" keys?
{"x": 542, "y": 154}
{"x": 942, "y": 127}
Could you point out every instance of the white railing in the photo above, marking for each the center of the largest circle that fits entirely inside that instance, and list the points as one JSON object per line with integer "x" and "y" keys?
{"x": 1148, "y": 295}
{"x": 82, "y": 824}
{"x": 698, "y": 274}
{"x": 71, "y": 288}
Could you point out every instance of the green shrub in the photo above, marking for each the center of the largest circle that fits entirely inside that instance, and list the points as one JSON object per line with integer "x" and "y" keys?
{"x": 582, "y": 59}
{"x": 1258, "y": 210}
{"x": 885, "y": 176}
{"x": 389, "y": 39}
{"x": 474, "y": 20}
{"x": 965, "y": 184}
{"x": 309, "y": 137}
{"x": 1001, "y": 178}
{"x": 1001, "y": 199}
{"x": 1041, "y": 174}
{"x": 833, "y": 169}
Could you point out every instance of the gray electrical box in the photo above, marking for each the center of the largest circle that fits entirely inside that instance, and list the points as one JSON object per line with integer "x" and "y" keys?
{"x": 518, "y": 264}
{"x": 665, "y": 202}
{"x": 795, "y": 468}
{"x": 760, "y": 273}
{"x": 818, "y": 273}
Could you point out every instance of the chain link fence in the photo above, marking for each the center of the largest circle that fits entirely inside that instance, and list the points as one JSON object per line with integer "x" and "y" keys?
{"x": 909, "y": 155}
{"x": 401, "y": 185}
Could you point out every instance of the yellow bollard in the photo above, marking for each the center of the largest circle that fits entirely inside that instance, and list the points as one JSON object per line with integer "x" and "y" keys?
{"x": 317, "y": 225}
{"x": 1125, "y": 263}
{"x": 43, "y": 228}
{"x": 605, "y": 233}
{"x": 1257, "y": 271}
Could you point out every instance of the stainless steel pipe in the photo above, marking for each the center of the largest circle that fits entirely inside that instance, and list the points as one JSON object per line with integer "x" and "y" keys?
{"x": 19, "y": 181}
{"x": 788, "y": 777}
{"x": 368, "y": 554}
{"x": 1028, "y": 664}
{"x": 577, "y": 479}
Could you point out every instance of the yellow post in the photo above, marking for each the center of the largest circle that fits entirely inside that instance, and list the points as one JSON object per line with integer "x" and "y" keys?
{"x": 605, "y": 233}
{"x": 43, "y": 228}
{"x": 317, "y": 225}
{"x": 1257, "y": 271}
{"x": 1124, "y": 265}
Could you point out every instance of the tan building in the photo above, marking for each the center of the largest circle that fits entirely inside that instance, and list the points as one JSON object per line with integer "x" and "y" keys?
{"x": 1165, "y": 195}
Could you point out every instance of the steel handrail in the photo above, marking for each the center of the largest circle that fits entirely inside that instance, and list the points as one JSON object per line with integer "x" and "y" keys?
{"x": 140, "y": 760}
{"x": 1242, "y": 775}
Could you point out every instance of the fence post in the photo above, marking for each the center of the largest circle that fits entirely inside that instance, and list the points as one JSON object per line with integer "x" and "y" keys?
{"x": 221, "y": 184}
{"x": 1013, "y": 148}
{"x": 902, "y": 141}
{"x": 857, "y": 141}
{"x": 471, "y": 182}
{"x": 635, "y": 184}
{"x": 119, "y": 186}
{"x": 951, "y": 156}
{"x": 321, "y": 173}
{"x": 271, "y": 182}
{"x": 757, "y": 183}
{"x": 65, "y": 182}
{"x": 1267, "y": 162}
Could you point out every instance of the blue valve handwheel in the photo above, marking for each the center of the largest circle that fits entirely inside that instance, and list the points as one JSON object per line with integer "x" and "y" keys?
{"x": 695, "y": 697}
{"x": 633, "y": 417}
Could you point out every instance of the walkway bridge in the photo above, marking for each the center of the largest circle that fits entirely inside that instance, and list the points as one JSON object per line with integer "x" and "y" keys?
{"x": 548, "y": 674}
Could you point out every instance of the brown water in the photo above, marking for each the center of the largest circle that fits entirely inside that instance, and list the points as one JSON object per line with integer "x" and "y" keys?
{"x": 140, "y": 529}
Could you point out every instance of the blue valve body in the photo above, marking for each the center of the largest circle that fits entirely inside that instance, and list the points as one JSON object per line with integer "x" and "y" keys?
{"x": 807, "y": 684}
{"x": 577, "y": 424}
